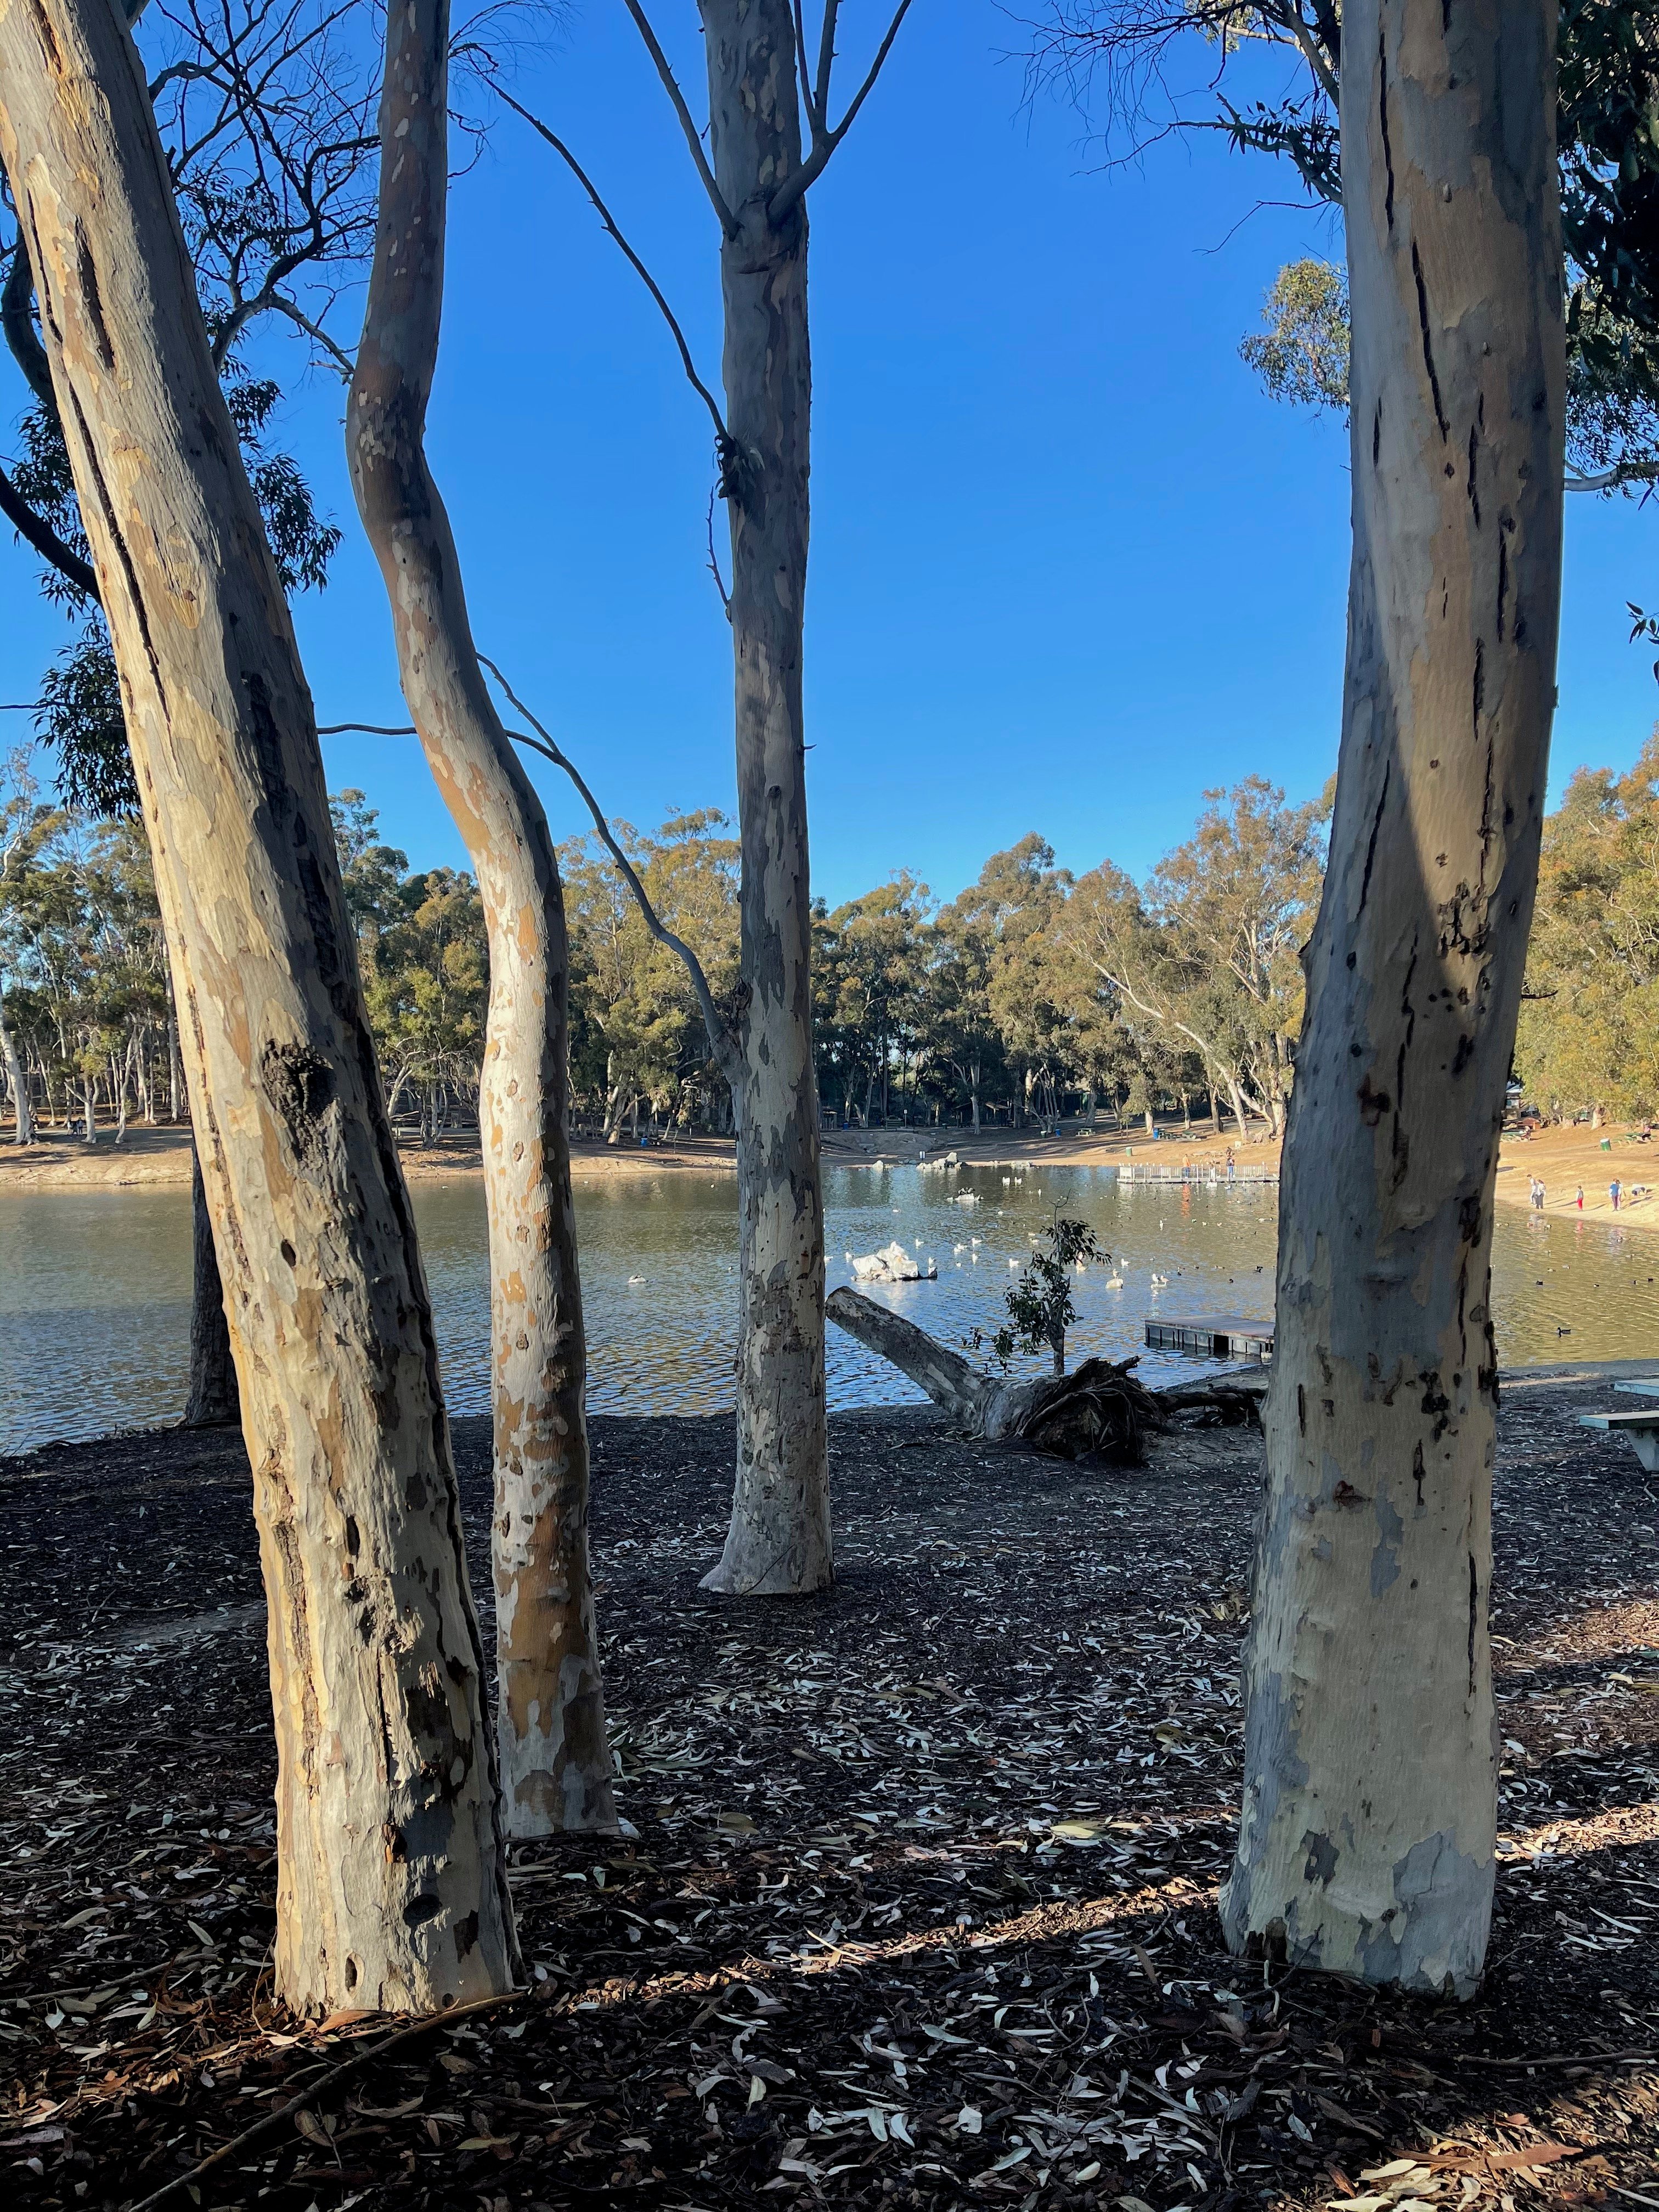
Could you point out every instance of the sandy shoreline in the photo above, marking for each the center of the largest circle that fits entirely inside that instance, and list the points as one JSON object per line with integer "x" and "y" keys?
{"x": 1562, "y": 1160}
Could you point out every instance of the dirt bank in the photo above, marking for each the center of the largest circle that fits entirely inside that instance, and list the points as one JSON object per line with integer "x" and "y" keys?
{"x": 1561, "y": 1158}
{"x": 921, "y": 1911}
{"x": 149, "y": 1158}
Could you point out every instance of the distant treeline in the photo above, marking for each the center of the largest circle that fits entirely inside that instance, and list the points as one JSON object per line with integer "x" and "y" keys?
{"x": 1034, "y": 994}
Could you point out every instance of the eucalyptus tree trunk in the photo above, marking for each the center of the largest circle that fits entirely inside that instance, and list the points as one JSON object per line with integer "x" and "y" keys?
{"x": 555, "y": 1760}
{"x": 779, "y": 1539}
{"x": 16, "y": 1082}
{"x": 213, "y": 1402}
{"x": 1367, "y": 1840}
{"x": 392, "y": 1891}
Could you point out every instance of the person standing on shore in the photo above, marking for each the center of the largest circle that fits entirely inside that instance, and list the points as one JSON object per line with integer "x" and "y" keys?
{"x": 1615, "y": 1192}
{"x": 1579, "y": 1201}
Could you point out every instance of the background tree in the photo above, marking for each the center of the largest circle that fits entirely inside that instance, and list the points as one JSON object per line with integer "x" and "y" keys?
{"x": 1589, "y": 1035}
{"x": 868, "y": 977}
{"x": 638, "y": 1029}
{"x": 1607, "y": 142}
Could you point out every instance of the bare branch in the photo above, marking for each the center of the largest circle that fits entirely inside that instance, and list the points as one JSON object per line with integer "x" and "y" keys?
{"x": 18, "y": 323}
{"x": 826, "y": 141}
{"x": 1625, "y": 472}
{"x": 826, "y": 59}
{"x": 671, "y": 85}
{"x": 714, "y": 560}
{"x": 721, "y": 1043}
{"x": 804, "y": 68}
{"x": 40, "y": 535}
{"x": 722, "y": 437}
{"x": 280, "y": 304}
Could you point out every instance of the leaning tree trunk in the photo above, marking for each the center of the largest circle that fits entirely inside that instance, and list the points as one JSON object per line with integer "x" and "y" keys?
{"x": 1367, "y": 1840}
{"x": 554, "y": 1761}
{"x": 213, "y": 1402}
{"x": 392, "y": 1890}
{"x": 779, "y": 1539}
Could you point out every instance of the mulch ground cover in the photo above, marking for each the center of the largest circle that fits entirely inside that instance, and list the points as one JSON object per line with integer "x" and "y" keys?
{"x": 917, "y": 1905}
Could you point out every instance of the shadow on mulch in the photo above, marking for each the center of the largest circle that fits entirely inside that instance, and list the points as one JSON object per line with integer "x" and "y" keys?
{"x": 920, "y": 1905}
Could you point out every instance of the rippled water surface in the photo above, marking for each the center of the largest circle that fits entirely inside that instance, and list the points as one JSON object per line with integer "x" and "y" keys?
{"x": 94, "y": 1285}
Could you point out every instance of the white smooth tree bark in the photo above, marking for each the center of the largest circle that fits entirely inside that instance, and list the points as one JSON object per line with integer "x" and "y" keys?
{"x": 17, "y": 1083}
{"x": 1367, "y": 1840}
{"x": 778, "y": 1542}
{"x": 555, "y": 1760}
{"x": 392, "y": 1891}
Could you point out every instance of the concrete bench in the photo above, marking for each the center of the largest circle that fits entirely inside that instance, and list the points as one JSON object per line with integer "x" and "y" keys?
{"x": 1642, "y": 1428}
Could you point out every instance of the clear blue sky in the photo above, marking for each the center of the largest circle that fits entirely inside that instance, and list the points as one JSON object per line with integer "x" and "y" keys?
{"x": 1070, "y": 566}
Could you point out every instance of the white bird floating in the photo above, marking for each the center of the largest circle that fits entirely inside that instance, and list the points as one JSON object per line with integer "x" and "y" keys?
{"x": 1115, "y": 1282}
{"x": 1159, "y": 1281}
{"x": 636, "y": 1278}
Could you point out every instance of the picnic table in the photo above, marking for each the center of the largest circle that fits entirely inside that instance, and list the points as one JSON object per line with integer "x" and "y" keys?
{"x": 1641, "y": 1428}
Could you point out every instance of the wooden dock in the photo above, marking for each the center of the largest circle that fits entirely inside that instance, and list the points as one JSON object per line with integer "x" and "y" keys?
{"x": 1214, "y": 1336}
{"x": 1205, "y": 1173}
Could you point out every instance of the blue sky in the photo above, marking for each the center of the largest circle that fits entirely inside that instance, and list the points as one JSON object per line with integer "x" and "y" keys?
{"x": 1070, "y": 565}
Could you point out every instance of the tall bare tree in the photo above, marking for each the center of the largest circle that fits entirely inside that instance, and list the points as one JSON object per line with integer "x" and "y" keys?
{"x": 392, "y": 1891}
{"x": 1367, "y": 1842}
{"x": 554, "y": 1761}
{"x": 771, "y": 136}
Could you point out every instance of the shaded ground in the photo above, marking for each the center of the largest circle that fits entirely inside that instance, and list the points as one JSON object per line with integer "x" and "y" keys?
{"x": 921, "y": 1910}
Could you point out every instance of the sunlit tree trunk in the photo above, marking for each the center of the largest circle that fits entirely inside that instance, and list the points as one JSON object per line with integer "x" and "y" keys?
{"x": 1369, "y": 1825}
{"x": 554, "y": 1761}
{"x": 392, "y": 1891}
{"x": 779, "y": 1539}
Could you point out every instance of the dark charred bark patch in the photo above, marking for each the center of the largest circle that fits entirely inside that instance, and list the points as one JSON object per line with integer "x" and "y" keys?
{"x": 300, "y": 1086}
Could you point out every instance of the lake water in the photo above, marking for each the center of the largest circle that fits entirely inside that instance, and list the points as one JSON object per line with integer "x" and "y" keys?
{"x": 94, "y": 1286}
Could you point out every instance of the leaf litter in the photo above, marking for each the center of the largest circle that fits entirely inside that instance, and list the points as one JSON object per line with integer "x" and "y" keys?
{"x": 915, "y": 1904}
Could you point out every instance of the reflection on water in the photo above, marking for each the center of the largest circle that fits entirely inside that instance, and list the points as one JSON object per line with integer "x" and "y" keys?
{"x": 94, "y": 1285}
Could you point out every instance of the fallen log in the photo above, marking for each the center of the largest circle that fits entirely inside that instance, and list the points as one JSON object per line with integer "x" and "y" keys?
{"x": 1100, "y": 1411}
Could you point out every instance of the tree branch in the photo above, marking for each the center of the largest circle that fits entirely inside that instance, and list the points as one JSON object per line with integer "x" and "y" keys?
{"x": 18, "y": 323}
{"x": 721, "y": 1043}
{"x": 280, "y": 304}
{"x": 827, "y": 59}
{"x": 804, "y": 68}
{"x": 722, "y": 438}
{"x": 728, "y": 221}
{"x": 825, "y": 141}
{"x": 1610, "y": 479}
{"x": 45, "y": 540}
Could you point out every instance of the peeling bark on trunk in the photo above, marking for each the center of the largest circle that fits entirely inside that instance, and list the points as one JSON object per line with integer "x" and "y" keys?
{"x": 778, "y": 1542}
{"x": 1367, "y": 1840}
{"x": 555, "y": 1760}
{"x": 213, "y": 1402}
{"x": 392, "y": 1891}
